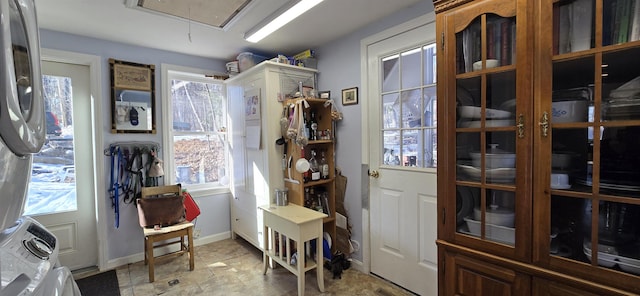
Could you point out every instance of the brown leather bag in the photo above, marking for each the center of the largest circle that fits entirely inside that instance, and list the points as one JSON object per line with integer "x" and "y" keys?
{"x": 163, "y": 210}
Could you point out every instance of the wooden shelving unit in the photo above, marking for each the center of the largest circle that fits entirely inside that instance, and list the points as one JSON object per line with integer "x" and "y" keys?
{"x": 296, "y": 193}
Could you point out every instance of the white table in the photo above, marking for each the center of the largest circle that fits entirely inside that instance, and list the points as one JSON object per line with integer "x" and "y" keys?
{"x": 300, "y": 225}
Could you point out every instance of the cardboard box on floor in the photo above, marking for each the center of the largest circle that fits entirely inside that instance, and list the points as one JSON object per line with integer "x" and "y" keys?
{"x": 343, "y": 231}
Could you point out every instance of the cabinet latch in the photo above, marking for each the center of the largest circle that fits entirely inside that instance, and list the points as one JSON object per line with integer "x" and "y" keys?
{"x": 544, "y": 124}
{"x": 520, "y": 126}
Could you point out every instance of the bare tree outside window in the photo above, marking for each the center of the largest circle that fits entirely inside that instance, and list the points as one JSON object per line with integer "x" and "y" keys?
{"x": 199, "y": 116}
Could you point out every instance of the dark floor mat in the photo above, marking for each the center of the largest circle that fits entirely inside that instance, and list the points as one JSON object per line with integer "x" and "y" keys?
{"x": 105, "y": 283}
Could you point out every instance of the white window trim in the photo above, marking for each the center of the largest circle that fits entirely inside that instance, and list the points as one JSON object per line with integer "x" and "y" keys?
{"x": 169, "y": 71}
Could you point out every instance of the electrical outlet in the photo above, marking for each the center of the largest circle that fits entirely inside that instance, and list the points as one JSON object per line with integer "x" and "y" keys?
{"x": 196, "y": 233}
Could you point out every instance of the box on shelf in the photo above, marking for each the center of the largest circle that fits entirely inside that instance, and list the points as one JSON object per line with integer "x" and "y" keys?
{"x": 247, "y": 60}
{"x": 308, "y": 63}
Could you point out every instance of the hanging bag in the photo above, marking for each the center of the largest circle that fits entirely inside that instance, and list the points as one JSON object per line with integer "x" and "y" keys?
{"x": 163, "y": 210}
{"x": 191, "y": 207}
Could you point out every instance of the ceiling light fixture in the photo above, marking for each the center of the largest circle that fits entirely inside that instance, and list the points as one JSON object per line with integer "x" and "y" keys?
{"x": 281, "y": 17}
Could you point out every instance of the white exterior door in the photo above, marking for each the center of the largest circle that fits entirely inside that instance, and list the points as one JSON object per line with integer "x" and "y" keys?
{"x": 61, "y": 191}
{"x": 402, "y": 141}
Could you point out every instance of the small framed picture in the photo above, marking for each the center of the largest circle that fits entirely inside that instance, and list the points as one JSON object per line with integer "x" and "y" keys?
{"x": 350, "y": 96}
{"x": 325, "y": 94}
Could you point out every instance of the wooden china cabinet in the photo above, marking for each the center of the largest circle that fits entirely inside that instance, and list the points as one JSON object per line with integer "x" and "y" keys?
{"x": 538, "y": 135}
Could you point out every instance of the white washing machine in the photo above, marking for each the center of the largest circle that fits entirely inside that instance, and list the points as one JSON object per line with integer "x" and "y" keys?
{"x": 29, "y": 264}
{"x": 28, "y": 252}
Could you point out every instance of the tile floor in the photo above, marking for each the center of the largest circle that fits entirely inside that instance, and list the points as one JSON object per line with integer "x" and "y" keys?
{"x": 234, "y": 267}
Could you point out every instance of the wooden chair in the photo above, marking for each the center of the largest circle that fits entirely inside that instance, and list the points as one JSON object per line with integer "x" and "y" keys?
{"x": 169, "y": 235}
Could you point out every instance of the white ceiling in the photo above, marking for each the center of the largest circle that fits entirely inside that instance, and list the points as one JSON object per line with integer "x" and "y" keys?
{"x": 112, "y": 20}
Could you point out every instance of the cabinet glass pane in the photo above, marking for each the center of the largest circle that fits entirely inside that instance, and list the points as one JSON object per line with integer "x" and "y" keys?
{"x": 618, "y": 235}
{"x": 468, "y": 47}
{"x": 620, "y": 161}
{"x": 621, "y": 85}
{"x": 568, "y": 229}
{"x": 573, "y": 26}
{"x": 619, "y": 22}
{"x": 571, "y": 160}
{"x": 466, "y": 143}
{"x": 501, "y": 99}
{"x": 491, "y": 217}
{"x": 499, "y": 158}
{"x": 501, "y": 33}
{"x": 467, "y": 199}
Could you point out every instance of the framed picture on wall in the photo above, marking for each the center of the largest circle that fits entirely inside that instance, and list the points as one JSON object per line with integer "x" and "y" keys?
{"x": 350, "y": 96}
{"x": 132, "y": 97}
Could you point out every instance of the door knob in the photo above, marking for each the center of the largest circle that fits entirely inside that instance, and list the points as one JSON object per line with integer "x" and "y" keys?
{"x": 374, "y": 173}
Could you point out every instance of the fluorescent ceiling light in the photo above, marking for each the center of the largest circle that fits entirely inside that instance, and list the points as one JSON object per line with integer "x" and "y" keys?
{"x": 291, "y": 11}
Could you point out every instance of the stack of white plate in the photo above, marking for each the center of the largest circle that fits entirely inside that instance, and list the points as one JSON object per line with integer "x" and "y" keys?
{"x": 495, "y": 117}
{"x": 608, "y": 257}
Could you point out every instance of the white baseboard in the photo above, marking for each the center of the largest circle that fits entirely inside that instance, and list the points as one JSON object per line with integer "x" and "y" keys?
{"x": 114, "y": 263}
{"x": 359, "y": 266}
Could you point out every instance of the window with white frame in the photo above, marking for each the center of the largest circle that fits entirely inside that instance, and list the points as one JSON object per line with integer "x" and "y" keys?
{"x": 195, "y": 115}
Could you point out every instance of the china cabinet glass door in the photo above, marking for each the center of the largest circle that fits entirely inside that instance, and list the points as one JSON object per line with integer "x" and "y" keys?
{"x": 594, "y": 172}
{"x": 490, "y": 156}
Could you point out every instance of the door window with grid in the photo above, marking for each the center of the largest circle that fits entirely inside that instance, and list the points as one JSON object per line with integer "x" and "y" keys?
{"x": 409, "y": 108}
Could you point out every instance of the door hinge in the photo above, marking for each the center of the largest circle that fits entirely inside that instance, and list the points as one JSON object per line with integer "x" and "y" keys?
{"x": 442, "y": 40}
{"x": 444, "y": 214}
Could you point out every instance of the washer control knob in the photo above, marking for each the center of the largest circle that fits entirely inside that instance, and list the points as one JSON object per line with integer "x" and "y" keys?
{"x": 38, "y": 248}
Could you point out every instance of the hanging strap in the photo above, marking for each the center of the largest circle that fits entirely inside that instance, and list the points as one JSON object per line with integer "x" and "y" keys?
{"x": 116, "y": 160}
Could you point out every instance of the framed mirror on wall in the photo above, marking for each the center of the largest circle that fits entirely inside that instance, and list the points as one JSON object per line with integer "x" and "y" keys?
{"x": 132, "y": 97}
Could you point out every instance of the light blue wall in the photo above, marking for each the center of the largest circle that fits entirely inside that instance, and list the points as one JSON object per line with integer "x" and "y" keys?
{"x": 127, "y": 240}
{"x": 339, "y": 66}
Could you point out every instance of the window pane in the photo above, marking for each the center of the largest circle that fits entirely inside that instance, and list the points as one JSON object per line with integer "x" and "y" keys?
{"x": 391, "y": 73}
{"x": 411, "y": 68}
{"x": 197, "y": 106}
{"x": 411, "y": 108}
{"x": 52, "y": 187}
{"x": 200, "y": 159}
{"x": 391, "y": 112}
{"x": 429, "y": 64}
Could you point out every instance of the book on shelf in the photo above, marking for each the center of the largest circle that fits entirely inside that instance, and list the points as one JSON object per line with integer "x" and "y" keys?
{"x": 621, "y": 22}
{"x": 581, "y": 25}
{"x": 623, "y": 32}
{"x": 505, "y": 44}
{"x": 607, "y": 24}
{"x": 634, "y": 33}
{"x": 491, "y": 40}
{"x": 574, "y": 26}
{"x": 564, "y": 25}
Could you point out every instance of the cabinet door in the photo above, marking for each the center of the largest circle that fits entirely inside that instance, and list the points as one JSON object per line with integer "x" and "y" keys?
{"x": 469, "y": 277}
{"x": 487, "y": 99}
{"x": 588, "y": 187}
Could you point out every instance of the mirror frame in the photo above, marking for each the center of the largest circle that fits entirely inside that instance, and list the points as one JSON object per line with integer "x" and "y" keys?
{"x": 137, "y": 82}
